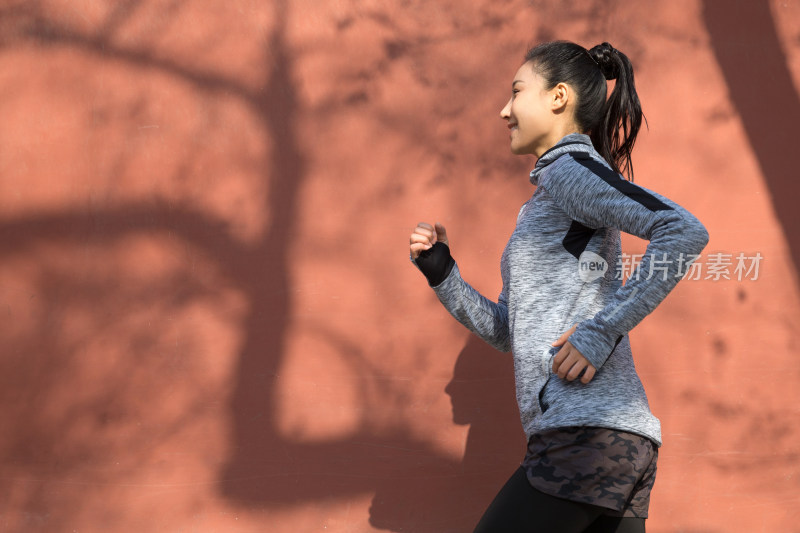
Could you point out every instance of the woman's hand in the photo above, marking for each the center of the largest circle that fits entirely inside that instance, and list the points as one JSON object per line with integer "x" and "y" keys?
{"x": 425, "y": 236}
{"x": 569, "y": 362}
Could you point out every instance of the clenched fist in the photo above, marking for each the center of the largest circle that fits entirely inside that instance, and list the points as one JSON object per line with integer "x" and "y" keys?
{"x": 425, "y": 236}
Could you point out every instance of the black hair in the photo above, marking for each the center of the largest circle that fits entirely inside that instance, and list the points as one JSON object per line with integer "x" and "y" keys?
{"x": 586, "y": 71}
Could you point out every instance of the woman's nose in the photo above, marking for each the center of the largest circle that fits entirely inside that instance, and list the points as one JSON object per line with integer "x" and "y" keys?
{"x": 505, "y": 113}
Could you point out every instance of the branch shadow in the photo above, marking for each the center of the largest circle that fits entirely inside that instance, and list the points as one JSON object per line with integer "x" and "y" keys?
{"x": 416, "y": 485}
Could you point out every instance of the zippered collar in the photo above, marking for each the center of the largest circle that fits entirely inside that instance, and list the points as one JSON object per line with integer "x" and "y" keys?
{"x": 574, "y": 142}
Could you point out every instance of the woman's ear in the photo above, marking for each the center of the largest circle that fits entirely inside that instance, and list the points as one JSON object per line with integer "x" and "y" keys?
{"x": 561, "y": 95}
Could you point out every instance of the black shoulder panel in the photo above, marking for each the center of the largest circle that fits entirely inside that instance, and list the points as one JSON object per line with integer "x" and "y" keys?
{"x": 634, "y": 192}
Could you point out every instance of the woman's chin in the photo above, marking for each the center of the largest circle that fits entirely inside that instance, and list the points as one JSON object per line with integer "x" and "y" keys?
{"x": 519, "y": 150}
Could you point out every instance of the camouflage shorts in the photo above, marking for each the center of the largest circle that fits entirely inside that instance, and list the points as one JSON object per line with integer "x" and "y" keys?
{"x": 599, "y": 466}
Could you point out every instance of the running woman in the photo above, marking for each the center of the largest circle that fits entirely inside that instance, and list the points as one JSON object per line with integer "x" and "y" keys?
{"x": 563, "y": 311}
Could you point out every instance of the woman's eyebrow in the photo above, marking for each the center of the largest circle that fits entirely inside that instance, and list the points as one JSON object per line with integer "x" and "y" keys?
{"x": 516, "y": 82}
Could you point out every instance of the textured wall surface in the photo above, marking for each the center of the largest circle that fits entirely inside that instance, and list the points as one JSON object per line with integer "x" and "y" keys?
{"x": 209, "y": 319}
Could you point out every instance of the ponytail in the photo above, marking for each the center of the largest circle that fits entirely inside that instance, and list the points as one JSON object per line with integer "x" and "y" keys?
{"x": 622, "y": 115}
{"x": 612, "y": 123}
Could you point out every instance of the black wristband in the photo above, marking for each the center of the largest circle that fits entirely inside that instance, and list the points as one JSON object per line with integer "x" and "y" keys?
{"x": 436, "y": 263}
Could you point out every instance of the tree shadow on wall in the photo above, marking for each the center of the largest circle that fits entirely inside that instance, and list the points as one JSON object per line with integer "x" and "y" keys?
{"x": 264, "y": 469}
{"x": 749, "y": 52}
{"x": 416, "y": 487}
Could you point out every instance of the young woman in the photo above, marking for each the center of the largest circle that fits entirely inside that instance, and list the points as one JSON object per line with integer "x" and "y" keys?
{"x": 563, "y": 311}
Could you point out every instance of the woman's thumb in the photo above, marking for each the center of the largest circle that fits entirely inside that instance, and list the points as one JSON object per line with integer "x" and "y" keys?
{"x": 441, "y": 233}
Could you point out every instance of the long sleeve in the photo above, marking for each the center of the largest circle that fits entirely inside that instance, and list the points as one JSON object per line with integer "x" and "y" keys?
{"x": 592, "y": 194}
{"x": 485, "y": 318}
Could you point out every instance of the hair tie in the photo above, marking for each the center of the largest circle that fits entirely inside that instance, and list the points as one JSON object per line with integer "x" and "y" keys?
{"x": 610, "y": 66}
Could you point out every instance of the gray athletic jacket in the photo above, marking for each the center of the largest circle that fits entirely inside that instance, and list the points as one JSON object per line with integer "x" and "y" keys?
{"x": 559, "y": 268}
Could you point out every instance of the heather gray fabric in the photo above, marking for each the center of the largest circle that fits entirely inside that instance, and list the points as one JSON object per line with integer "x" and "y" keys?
{"x": 572, "y": 222}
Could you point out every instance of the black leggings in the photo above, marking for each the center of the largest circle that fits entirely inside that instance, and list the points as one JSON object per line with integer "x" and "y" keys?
{"x": 520, "y": 508}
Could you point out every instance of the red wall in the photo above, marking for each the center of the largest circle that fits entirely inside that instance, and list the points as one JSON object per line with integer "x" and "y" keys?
{"x": 210, "y": 322}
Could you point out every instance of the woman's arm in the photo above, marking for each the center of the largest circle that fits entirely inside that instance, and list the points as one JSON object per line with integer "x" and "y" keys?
{"x": 487, "y": 319}
{"x": 591, "y": 193}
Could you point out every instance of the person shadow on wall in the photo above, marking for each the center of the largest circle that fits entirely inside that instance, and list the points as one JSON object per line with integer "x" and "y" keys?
{"x": 438, "y": 496}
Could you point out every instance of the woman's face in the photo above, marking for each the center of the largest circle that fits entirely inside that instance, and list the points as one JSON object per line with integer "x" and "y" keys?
{"x": 530, "y": 113}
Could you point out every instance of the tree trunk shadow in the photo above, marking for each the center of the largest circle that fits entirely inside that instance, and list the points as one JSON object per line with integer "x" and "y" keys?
{"x": 748, "y": 50}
